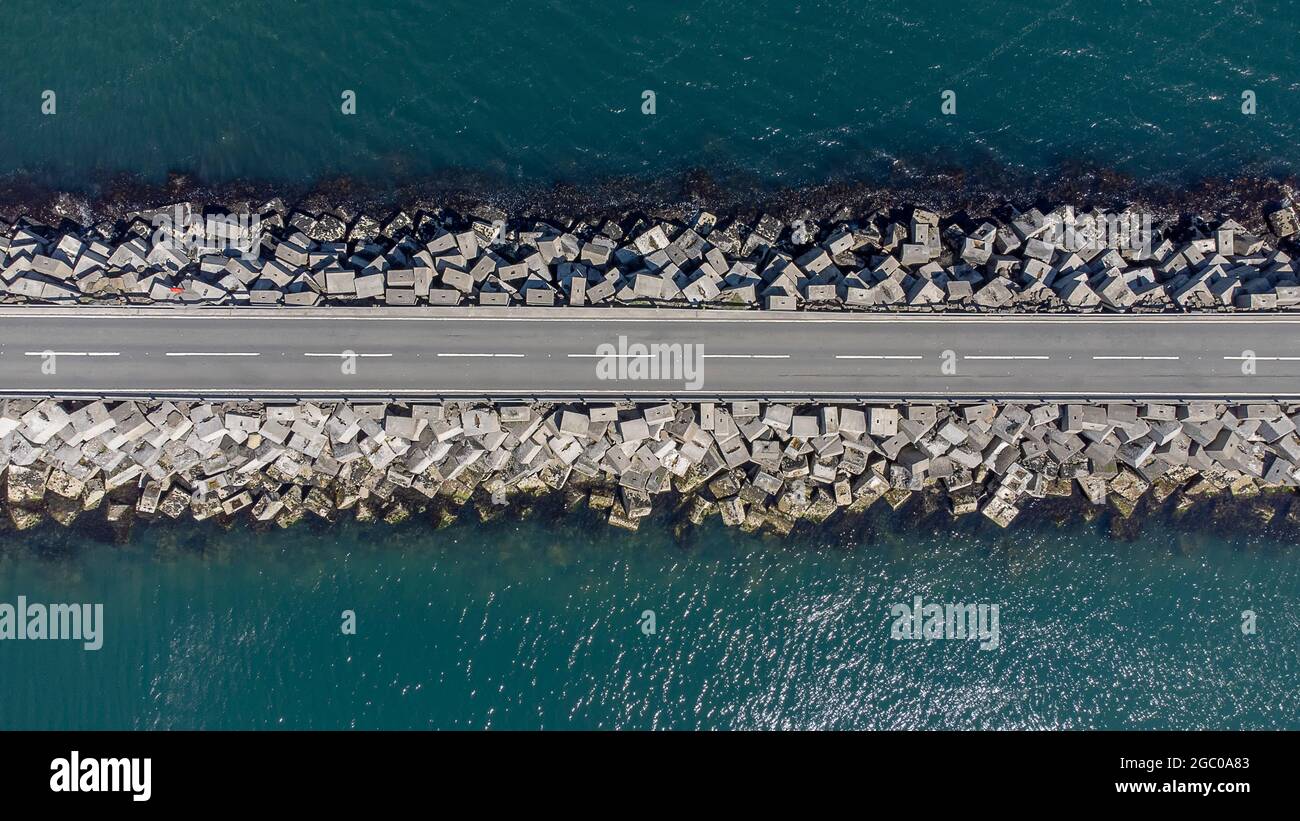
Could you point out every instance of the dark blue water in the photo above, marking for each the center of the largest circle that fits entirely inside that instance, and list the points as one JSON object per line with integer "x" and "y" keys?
{"x": 539, "y": 91}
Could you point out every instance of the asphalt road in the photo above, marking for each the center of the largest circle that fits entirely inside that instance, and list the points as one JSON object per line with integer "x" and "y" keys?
{"x": 518, "y": 352}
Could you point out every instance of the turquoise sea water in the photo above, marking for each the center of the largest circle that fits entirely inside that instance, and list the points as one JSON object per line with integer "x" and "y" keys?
{"x": 537, "y": 91}
{"x": 530, "y": 625}
{"x": 535, "y": 624}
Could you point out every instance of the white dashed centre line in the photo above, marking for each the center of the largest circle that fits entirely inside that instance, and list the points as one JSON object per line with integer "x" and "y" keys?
{"x": 609, "y": 356}
{"x": 71, "y": 353}
{"x": 1009, "y": 356}
{"x": 1266, "y": 358}
{"x": 212, "y": 353}
{"x": 877, "y": 356}
{"x": 746, "y": 356}
{"x": 1135, "y": 357}
{"x": 484, "y": 355}
{"x": 345, "y": 355}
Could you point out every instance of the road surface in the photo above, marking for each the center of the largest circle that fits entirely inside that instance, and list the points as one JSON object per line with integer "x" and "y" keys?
{"x": 269, "y": 353}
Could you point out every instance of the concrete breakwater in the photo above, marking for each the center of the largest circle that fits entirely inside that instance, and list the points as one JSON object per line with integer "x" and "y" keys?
{"x": 757, "y": 466}
{"x": 1063, "y": 259}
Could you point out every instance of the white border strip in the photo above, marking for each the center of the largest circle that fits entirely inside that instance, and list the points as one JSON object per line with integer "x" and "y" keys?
{"x": 561, "y": 314}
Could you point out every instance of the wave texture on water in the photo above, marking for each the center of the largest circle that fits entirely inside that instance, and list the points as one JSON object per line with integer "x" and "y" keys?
{"x": 533, "y": 625}
{"x": 546, "y": 91}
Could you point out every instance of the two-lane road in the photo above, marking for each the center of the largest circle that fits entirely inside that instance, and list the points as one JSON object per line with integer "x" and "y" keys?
{"x": 476, "y": 352}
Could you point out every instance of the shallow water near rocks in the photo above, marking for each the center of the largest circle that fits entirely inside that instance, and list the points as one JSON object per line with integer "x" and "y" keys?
{"x": 535, "y": 624}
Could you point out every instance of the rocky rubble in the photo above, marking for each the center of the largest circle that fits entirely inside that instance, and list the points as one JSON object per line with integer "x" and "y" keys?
{"x": 1058, "y": 260}
{"x": 757, "y": 466}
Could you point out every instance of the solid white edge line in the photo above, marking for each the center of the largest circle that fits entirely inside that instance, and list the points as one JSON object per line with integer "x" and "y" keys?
{"x": 709, "y": 316}
{"x": 544, "y": 392}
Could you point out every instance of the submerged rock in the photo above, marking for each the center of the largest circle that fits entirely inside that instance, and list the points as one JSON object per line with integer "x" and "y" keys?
{"x": 24, "y": 519}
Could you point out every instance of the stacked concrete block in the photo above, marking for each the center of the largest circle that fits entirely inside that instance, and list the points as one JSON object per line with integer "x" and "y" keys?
{"x": 759, "y": 466}
{"x": 1028, "y": 261}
